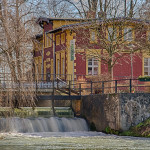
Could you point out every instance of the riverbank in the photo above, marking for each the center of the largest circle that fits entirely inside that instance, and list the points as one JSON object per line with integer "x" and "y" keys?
{"x": 140, "y": 130}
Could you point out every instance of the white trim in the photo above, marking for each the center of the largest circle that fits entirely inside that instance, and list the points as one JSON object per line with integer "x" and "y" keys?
{"x": 92, "y": 66}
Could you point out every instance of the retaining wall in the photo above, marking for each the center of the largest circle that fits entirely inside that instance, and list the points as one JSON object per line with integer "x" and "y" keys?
{"x": 118, "y": 111}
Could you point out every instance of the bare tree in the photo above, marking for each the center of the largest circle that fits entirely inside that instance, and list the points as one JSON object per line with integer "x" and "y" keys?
{"x": 144, "y": 10}
{"x": 55, "y": 8}
{"x": 114, "y": 41}
{"x": 16, "y": 21}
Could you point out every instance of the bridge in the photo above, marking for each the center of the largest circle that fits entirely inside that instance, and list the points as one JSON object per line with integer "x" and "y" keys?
{"x": 68, "y": 92}
{"x": 62, "y": 87}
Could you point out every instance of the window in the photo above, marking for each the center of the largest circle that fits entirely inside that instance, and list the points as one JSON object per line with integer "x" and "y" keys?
{"x": 92, "y": 66}
{"x": 92, "y": 36}
{"x": 57, "y": 39}
{"x": 48, "y": 40}
{"x": 112, "y": 34}
{"x": 128, "y": 34}
{"x": 63, "y": 66}
{"x": 62, "y": 38}
{"x": 147, "y": 66}
{"x": 58, "y": 67}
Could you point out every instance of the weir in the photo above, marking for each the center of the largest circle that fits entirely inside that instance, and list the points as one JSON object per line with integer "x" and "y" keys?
{"x": 41, "y": 124}
{"x": 41, "y": 119}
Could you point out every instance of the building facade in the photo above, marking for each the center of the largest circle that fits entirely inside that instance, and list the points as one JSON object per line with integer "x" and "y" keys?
{"x": 69, "y": 48}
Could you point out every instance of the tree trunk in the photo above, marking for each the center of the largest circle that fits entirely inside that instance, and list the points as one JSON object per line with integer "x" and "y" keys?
{"x": 110, "y": 69}
{"x": 131, "y": 9}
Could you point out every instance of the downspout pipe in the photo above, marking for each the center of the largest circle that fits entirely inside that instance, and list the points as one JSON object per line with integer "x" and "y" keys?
{"x": 42, "y": 70}
{"x": 54, "y": 63}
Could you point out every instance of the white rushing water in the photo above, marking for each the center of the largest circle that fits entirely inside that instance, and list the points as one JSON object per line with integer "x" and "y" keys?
{"x": 40, "y": 124}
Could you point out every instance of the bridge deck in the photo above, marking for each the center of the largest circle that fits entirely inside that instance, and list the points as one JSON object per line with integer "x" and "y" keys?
{"x": 59, "y": 97}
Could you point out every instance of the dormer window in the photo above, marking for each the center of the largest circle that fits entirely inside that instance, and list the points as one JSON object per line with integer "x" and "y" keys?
{"x": 128, "y": 34}
{"x": 112, "y": 34}
{"x": 93, "y": 37}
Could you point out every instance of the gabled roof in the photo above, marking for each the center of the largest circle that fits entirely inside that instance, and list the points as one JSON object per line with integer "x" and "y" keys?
{"x": 98, "y": 21}
{"x": 41, "y": 20}
{"x": 69, "y": 26}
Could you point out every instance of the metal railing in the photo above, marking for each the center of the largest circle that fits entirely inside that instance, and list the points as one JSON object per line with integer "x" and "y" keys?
{"x": 65, "y": 85}
{"x": 114, "y": 86}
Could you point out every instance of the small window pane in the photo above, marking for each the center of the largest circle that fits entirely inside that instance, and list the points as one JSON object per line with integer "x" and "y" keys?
{"x": 146, "y": 69}
{"x": 96, "y": 63}
{"x": 92, "y": 36}
{"x": 90, "y": 70}
{"x": 145, "y": 61}
{"x": 90, "y": 62}
{"x": 128, "y": 34}
{"x": 145, "y": 73}
{"x": 96, "y": 71}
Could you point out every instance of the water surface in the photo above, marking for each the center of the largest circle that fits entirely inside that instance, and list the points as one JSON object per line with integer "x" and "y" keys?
{"x": 71, "y": 140}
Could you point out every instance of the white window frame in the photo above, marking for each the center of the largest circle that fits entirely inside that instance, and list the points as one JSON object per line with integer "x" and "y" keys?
{"x": 93, "y": 66}
{"x": 147, "y": 67}
{"x": 93, "y": 36}
{"x": 128, "y": 34}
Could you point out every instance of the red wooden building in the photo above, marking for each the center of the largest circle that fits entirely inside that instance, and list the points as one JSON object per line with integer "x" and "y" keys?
{"x": 93, "y": 47}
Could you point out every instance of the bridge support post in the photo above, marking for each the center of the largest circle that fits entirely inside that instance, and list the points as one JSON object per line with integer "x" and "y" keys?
{"x": 102, "y": 87}
{"x": 80, "y": 89}
{"x": 91, "y": 87}
{"x": 53, "y": 87}
{"x": 130, "y": 85}
{"x": 115, "y": 86}
{"x": 53, "y": 107}
{"x": 69, "y": 88}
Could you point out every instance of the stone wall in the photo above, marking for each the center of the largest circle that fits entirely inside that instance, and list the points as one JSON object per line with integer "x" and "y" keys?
{"x": 134, "y": 109}
{"x": 118, "y": 111}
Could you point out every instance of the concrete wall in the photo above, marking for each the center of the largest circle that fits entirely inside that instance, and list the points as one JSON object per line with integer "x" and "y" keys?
{"x": 57, "y": 103}
{"x": 118, "y": 111}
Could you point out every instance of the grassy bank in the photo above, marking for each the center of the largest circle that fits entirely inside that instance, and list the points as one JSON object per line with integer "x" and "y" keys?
{"x": 140, "y": 130}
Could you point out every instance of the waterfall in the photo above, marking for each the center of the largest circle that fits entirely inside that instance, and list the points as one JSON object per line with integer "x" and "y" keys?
{"x": 40, "y": 124}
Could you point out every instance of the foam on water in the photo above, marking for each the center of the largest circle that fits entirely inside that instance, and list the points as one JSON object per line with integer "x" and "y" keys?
{"x": 40, "y": 124}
